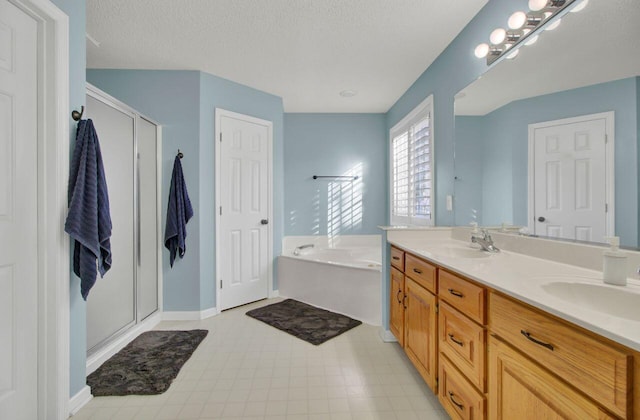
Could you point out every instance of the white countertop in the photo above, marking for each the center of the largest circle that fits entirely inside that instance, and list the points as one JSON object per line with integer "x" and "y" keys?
{"x": 522, "y": 277}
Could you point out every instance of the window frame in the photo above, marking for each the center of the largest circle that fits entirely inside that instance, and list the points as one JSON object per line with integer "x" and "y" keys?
{"x": 415, "y": 115}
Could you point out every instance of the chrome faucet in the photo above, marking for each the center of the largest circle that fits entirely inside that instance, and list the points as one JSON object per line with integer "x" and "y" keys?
{"x": 296, "y": 251}
{"x": 484, "y": 241}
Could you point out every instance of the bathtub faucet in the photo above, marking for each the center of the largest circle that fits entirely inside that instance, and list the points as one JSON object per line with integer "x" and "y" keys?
{"x": 296, "y": 251}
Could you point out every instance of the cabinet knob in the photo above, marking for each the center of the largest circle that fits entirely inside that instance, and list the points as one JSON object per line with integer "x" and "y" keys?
{"x": 541, "y": 219}
{"x": 264, "y": 221}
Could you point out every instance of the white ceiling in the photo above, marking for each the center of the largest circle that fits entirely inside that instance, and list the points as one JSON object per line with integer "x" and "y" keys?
{"x": 598, "y": 44}
{"x": 305, "y": 51}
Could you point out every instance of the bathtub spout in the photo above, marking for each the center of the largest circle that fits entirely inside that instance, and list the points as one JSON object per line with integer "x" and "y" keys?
{"x": 296, "y": 251}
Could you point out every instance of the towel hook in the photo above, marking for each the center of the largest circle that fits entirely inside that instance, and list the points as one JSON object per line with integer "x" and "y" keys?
{"x": 180, "y": 155}
{"x": 77, "y": 115}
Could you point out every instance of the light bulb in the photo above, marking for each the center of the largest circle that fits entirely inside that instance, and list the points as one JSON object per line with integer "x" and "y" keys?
{"x": 536, "y": 5}
{"x": 553, "y": 25}
{"x": 482, "y": 50}
{"x": 517, "y": 20}
{"x": 531, "y": 40}
{"x": 581, "y": 5}
{"x": 497, "y": 36}
{"x": 513, "y": 55}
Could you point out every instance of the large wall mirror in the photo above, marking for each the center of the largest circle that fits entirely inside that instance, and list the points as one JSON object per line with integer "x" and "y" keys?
{"x": 549, "y": 140}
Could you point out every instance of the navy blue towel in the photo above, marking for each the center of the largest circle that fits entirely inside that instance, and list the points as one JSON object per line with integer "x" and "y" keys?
{"x": 88, "y": 222}
{"x": 179, "y": 211}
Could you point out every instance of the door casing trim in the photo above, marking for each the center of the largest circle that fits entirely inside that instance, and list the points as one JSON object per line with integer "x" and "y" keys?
{"x": 219, "y": 113}
{"x": 609, "y": 118}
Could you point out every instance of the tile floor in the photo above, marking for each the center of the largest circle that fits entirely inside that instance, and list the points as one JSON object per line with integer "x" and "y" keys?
{"x": 246, "y": 369}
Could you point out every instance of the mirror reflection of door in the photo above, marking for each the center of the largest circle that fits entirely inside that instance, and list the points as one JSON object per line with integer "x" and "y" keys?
{"x": 571, "y": 178}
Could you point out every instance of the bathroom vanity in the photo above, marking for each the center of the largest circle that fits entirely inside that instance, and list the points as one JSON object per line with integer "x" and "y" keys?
{"x": 509, "y": 335}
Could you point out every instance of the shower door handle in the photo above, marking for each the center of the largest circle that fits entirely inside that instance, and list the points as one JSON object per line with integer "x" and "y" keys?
{"x": 264, "y": 221}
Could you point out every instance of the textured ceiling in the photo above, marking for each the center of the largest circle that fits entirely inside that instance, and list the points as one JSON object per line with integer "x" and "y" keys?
{"x": 305, "y": 51}
{"x": 598, "y": 44}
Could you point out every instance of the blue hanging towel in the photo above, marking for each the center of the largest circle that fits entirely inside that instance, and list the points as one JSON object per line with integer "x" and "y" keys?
{"x": 179, "y": 211}
{"x": 89, "y": 221}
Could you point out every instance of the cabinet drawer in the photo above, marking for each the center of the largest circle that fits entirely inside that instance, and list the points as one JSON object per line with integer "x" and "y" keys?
{"x": 463, "y": 295}
{"x": 457, "y": 395}
{"x": 421, "y": 271}
{"x": 397, "y": 258}
{"x": 463, "y": 342}
{"x": 599, "y": 370}
{"x": 521, "y": 389}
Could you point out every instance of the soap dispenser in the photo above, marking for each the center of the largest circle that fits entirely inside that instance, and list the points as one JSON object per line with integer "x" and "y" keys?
{"x": 614, "y": 270}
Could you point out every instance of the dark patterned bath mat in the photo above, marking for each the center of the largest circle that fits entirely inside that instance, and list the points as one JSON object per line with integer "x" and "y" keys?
{"x": 306, "y": 322}
{"x": 147, "y": 365}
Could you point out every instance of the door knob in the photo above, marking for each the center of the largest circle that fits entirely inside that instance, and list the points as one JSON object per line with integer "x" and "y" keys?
{"x": 541, "y": 219}
{"x": 264, "y": 221}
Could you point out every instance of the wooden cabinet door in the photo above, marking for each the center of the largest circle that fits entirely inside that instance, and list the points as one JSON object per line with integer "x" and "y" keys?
{"x": 521, "y": 389}
{"x": 420, "y": 335}
{"x": 396, "y": 305}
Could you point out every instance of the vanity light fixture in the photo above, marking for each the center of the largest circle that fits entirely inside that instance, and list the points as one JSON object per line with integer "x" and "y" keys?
{"x": 517, "y": 20}
{"x": 524, "y": 28}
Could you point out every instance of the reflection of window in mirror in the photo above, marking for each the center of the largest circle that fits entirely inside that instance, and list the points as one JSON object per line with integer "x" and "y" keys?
{"x": 411, "y": 155}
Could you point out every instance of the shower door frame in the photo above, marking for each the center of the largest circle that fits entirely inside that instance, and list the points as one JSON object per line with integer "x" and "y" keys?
{"x": 116, "y": 341}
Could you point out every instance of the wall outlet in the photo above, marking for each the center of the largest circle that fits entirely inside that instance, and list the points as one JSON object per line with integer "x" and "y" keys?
{"x": 449, "y": 203}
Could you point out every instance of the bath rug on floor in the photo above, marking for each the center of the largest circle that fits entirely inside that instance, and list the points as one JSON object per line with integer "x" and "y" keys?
{"x": 308, "y": 323}
{"x": 147, "y": 365}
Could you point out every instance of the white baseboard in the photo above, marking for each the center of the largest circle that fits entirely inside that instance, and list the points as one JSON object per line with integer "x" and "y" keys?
{"x": 274, "y": 294}
{"x": 79, "y": 400}
{"x": 98, "y": 358}
{"x": 208, "y": 313}
{"x": 387, "y": 336}
{"x": 189, "y": 315}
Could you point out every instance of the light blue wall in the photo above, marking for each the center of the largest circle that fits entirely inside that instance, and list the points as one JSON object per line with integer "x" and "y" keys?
{"x": 216, "y": 92}
{"x": 469, "y": 170}
{"x": 76, "y": 10}
{"x": 172, "y": 98}
{"x": 334, "y": 144}
{"x": 505, "y": 143}
{"x": 455, "y": 68}
{"x": 184, "y": 103}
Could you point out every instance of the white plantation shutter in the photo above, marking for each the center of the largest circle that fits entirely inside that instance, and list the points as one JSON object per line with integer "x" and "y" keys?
{"x": 400, "y": 158}
{"x": 412, "y": 168}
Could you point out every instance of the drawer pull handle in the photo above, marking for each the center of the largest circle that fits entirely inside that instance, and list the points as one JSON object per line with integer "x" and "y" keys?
{"x": 395, "y": 257}
{"x": 458, "y": 342}
{"x": 415, "y": 270}
{"x": 398, "y": 296}
{"x": 451, "y": 395}
{"x": 541, "y": 343}
{"x": 456, "y": 293}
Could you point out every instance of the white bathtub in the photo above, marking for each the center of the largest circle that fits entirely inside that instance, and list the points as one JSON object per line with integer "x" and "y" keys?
{"x": 345, "y": 279}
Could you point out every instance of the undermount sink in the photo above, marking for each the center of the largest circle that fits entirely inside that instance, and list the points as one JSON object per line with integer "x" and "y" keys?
{"x": 612, "y": 300}
{"x": 459, "y": 252}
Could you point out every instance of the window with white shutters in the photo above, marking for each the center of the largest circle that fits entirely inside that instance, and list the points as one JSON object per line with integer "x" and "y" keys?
{"x": 412, "y": 167}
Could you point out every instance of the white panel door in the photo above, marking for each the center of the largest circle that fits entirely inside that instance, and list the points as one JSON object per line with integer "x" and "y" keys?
{"x": 18, "y": 215}
{"x": 570, "y": 180}
{"x": 244, "y": 199}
